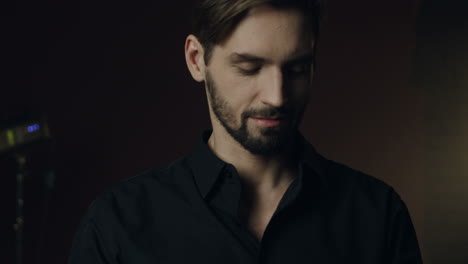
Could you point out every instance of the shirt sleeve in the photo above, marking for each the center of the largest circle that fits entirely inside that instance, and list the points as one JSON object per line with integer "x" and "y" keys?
{"x": 403, "y": 243}
{"x": 88, "y": 245}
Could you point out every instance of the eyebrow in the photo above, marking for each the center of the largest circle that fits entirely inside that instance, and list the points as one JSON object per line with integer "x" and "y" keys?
{"x": 247, "y": 57}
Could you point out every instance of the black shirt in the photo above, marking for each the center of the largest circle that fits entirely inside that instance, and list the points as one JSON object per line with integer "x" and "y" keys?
{"x": 186, "y": 212}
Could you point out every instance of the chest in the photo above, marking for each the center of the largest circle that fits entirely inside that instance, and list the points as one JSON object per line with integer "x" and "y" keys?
{"x": 184, "y": 235}
{"x": 287, "y": 240}
{"x": 256, "y": 218}
{"x": 257, "y": 209}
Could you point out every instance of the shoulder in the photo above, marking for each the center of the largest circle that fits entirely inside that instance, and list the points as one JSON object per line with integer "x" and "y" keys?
{"x": 156, "y": 188}
{"x": 129, "y": 207}
{"x": 350, "y": 187}
{"x": 166, "y": 176}
{"x": 343, "y": 176}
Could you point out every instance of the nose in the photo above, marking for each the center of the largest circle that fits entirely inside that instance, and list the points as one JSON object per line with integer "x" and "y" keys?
{"x": 273, "y": 92}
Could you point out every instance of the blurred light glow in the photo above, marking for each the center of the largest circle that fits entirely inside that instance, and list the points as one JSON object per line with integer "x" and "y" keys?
{"x": 33, "y": 128}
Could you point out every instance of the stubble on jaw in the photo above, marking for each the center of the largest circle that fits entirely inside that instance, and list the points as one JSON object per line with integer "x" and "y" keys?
{"x": 268, "y": 141}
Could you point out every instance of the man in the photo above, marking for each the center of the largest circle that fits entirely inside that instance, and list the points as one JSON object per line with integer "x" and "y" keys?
{"x": 253, "y": 191}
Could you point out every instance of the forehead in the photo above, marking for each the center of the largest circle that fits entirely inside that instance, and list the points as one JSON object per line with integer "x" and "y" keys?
{"x": 272, "y": 33}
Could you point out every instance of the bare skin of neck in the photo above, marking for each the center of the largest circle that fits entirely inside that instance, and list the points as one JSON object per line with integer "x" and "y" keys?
{"x": 264, "y": 180}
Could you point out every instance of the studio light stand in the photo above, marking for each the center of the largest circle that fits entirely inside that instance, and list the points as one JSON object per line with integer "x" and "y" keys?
{"x": 17, "y": 139}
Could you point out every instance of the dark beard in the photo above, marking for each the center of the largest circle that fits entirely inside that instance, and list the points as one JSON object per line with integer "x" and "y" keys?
{"x": 273, "y": 140}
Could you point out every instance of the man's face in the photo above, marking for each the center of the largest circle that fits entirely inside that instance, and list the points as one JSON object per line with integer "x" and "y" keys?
{"x": 258, "y": 80}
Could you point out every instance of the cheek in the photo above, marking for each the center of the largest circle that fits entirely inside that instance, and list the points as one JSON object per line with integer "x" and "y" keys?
{"x": 238, "y": 92}
{"x": 240, "y": 100}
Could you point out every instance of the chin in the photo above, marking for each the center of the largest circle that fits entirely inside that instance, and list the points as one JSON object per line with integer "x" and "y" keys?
{"x": 267, "y": 142}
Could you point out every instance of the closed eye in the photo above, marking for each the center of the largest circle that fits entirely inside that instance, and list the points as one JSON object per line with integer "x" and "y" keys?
{"x": 248, "y": 71}
{"x": 248, "y": 68}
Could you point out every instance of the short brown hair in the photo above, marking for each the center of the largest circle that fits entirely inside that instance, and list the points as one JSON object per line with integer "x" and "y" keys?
{"x": 215, "y": 20}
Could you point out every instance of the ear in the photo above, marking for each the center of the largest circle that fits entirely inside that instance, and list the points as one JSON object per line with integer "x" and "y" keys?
{"x": 194, "y": 57}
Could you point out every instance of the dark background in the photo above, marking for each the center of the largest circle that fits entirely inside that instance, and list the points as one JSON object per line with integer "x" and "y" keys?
{"x": 389, "y": 99}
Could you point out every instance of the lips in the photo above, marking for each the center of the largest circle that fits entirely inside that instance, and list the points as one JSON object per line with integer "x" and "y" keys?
{"x": 268, "y": 122}
{"x": 266, "y": 118}
{"x": 270, "y": 117}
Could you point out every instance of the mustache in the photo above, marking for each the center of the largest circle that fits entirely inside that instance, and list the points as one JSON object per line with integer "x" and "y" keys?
{"x": 270, "y": 112}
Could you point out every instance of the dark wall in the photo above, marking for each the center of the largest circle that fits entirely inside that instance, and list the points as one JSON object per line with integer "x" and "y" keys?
{"x": 442, "y": 71}
{"x": 112, "y": 80}
{"x": 365, "y": 111}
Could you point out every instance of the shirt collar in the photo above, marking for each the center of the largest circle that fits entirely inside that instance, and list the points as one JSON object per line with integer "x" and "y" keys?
{"x": 313, "y": 160}
{"x": 207, "y": 167}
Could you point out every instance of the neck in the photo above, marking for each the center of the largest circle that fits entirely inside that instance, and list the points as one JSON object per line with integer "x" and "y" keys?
{"x": 256, "y": 171}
